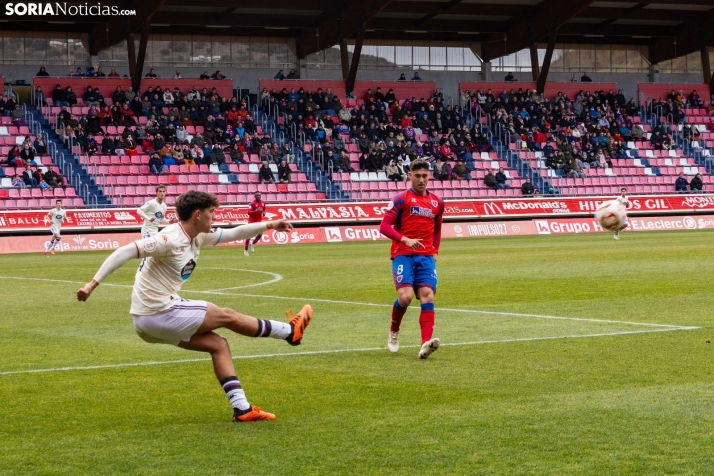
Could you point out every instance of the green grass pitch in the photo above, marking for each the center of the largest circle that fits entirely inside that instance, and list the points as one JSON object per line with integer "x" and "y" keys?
{"x": 583, "y": 356}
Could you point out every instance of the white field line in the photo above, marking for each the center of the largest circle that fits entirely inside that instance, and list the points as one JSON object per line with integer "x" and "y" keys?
{"x": 369, "y": 304}
{"x": 337, "y": 351}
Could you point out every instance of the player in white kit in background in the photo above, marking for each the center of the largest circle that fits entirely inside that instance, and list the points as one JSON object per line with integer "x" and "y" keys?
{"x": 55, "y": 217}
{"x": 161, "y": 316}
{"x": 154, "y": 213}
{"x": 622, "y": 199}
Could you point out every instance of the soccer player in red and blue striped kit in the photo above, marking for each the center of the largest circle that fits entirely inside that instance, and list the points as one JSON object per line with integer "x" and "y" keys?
{"x": 413, "y": 223}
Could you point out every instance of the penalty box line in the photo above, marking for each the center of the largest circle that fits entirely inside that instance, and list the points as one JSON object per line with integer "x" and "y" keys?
{"x": 337, "y": 351}
{"x": 222, "y": 292}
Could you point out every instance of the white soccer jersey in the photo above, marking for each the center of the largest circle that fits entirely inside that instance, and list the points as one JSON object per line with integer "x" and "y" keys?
{"x": 169, "y": 259}
{"x": 56, "y": 218}
{"x": 622, "y": 200}
{"x": 153, "y": 209}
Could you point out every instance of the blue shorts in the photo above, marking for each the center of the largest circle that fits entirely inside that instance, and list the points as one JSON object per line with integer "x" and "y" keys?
{"x": 414, "y": 271}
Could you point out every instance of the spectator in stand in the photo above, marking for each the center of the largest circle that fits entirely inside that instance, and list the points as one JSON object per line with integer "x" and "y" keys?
{"x": 585, "y": 78}
{"x": 696, "y": 185}
{"x": 18, "y": 182}
{"x": 59, "y": 96}
{"x": 237, "y": 154}
{"x": 343, "y": 162}
{"x": 284, "y": 172}
{"x": 156, "y": 165}
{"x": 461, "y": 170}
{"x": 440, "y": 171}
{"x": 265, "y": 174}
{"x": 402, "y": 77}
{"x": 70, "y": 96}
{"x": 393, "y": 172}
{"x": 151, "y": 74}
{"x": 177, "y": 75}
{"x": 217, "y": 156}
{"x": 28, "y": 154}
{"x": 490, "y": 180}
{"x": 99, "y": 73}
{"x": 28, "y": 177}
{"x": 292, "y": 74}
{"x": 217, "y": 75}
{"x": 78, "y": 72}
{"x": 18, "y": 117}
{"x": 42, "y": 72}
{"x": 113, "y": 74}
{"x": 501, "y": 179}
{"x": 52, "y": 178}
{"x": 280, "y": 76}
{"x": 681, "y": 184}
{"x": 40, "y": 146}
{"x": 694, "y": 100}
{"x": 416, "y": 76}
{"x": 510, "y": 78}
{"x": 527, "y": 188}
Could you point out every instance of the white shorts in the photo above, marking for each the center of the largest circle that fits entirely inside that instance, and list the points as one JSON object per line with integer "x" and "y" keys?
{"x": 54, "y": 230}
{"x": 174, "y": 325}
{"x": 147, "y": 235}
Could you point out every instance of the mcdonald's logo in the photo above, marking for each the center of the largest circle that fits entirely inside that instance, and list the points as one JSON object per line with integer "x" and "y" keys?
{"x": 491, "y": 208}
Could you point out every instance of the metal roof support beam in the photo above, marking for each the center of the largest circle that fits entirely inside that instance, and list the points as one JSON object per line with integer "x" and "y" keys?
{"x": 350, "y": 82}
{"x": 543, "y": 76}
{"x": 535, "y": 68}
{"x": 139, "y": 69}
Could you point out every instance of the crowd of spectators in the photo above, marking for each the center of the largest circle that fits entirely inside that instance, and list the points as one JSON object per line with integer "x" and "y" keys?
{"x": 25, "y": 157}
{"x": 573, "y": 134}
{"x": 222, "y": 129}
{"x": 387, "y": 131}
{"x": 92, "y": 72}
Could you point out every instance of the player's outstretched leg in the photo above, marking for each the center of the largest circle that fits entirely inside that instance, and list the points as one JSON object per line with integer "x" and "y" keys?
{"x": 217, "y": 346}
{"x": 50, "y": 246}
{"x": 245, "y": 252}
{"x": 292, "y": 331}
{"x": 56, "y": 241}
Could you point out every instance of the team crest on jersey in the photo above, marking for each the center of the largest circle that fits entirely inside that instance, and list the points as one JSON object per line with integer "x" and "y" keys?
{"x": 434, "y": 203}
{"x": 390, "y": 206}
{"x": 159, "y": 215}
{"x": 149, "y": 245}
{"x": 399, "y": 279}
{"x": 188, "y": 269}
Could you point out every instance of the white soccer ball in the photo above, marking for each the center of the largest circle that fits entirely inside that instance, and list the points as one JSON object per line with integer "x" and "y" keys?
{"x": 611, "y": 215}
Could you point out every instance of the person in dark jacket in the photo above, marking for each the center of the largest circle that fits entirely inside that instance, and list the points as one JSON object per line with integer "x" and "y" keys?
{"x": 501, "y": 179}
{"x": 696, "y": 185}
{"x": 52, "y": 178}
{"x": 490, "y": 180}
{"x": 284, "y": 172}
{"x": 265, "y": 174}
{"x": 527, "y": 188}
{"x": 680, "y": 185}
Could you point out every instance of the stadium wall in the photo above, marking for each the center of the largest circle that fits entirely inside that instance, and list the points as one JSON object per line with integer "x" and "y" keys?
{"x": 341, "y": 234}
{"x": 447, "y": 80}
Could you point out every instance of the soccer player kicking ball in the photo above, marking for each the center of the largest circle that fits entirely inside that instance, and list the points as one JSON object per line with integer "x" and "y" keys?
{"x": 55, "y": 217}
{"x": 413, "y": 223}
{"x": 256, "y": 212}
{"x": 622, "y": 199}
{"x": 161, "y": 316}
{"x": 154, "y": 212}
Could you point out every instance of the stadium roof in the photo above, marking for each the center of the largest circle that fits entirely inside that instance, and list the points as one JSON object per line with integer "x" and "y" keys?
{"x": 670, "y": 28}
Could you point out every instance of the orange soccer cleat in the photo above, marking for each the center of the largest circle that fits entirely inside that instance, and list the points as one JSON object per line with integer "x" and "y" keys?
{"x": 299, "y": 323}
{"x": 46, "y": 255}
{"x": 255, "y": 414}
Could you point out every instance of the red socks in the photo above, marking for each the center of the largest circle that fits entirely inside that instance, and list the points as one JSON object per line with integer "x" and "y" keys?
{"x": 426, "y": 321}
{"x": 397, "y": 315}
